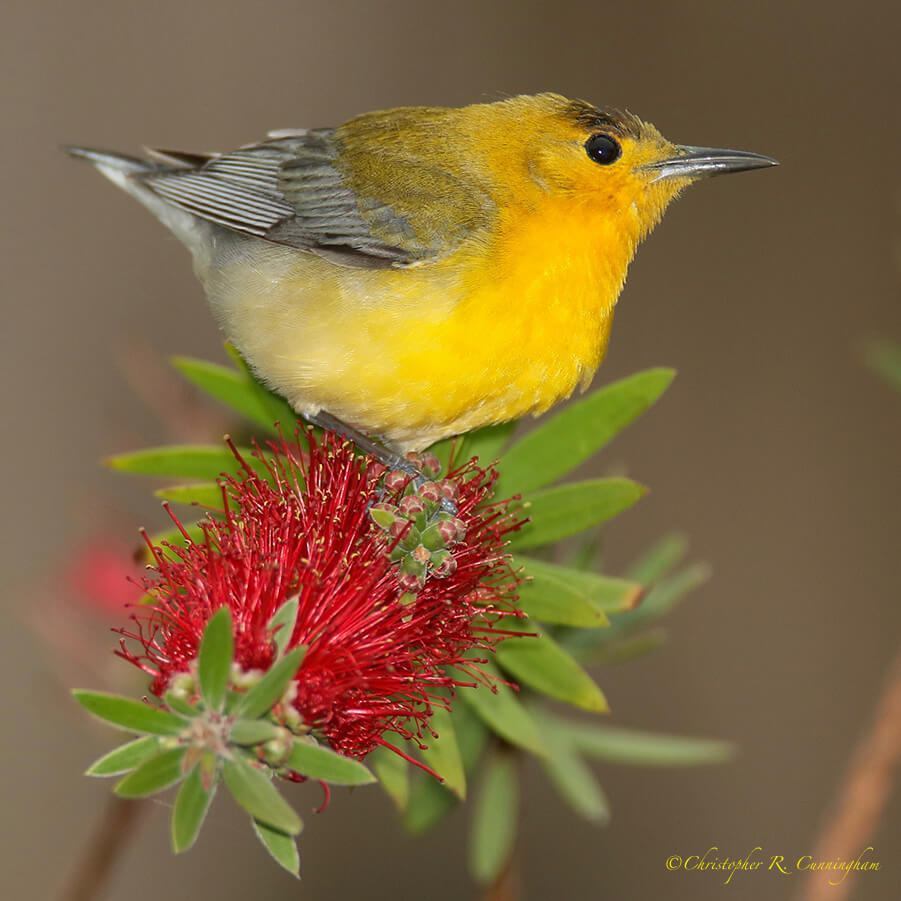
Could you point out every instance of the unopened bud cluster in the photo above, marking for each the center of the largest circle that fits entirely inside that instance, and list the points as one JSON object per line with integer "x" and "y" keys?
{"x": 420, "y": 531}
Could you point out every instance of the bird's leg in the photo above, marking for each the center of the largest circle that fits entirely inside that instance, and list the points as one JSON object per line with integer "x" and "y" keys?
{"x": 383, "y": 454}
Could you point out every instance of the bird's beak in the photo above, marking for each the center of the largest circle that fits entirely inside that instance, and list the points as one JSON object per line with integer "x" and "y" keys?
{"x": 702, "y": 162}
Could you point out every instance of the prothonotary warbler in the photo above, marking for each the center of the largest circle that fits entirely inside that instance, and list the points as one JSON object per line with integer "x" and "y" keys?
{"x": 421, "y": 272}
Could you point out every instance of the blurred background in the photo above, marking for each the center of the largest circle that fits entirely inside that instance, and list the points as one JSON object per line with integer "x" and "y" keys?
{"x": 775, "y": 450}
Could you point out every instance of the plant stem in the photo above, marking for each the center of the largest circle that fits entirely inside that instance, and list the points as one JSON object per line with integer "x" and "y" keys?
{"x": 506, "y": 886}
{"x": 864, "y": 795}
{"x": 108, "y": 841}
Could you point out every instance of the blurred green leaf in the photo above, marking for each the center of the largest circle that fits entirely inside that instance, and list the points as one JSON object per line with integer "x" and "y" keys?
{"x": 191, "y": 805}
{"x": 393, "y": 773}
{"x": 574, "y": 434}
{"x": 591, "y": 652}
{"x": 197, "y": 494}
{"x": 884, "y": 358}
{"x": 542, "y": 664}
{"x": 277, "y": 408}
{"x": 214, "y": 658}
{"x": 268, "y": 691}
{"x": 153, "y": 775}
{"x": 442, "y": 753}
{"x": 134, "y": 716}
{"x": 180, "y": 706}
{"x": 575, "y": 780}
{"x": 125, "y": 758}
{"x": 659, "y": 600}
{"x": 233, "y": 388}
{"x": 259, "y": 797}
{"x": 283, "y": 622}
{"x": 282, "y": 847}
{"x": 615, "y": 744}
{"x": 659, "y": 559}
{"x": 429, "y": 802}
{"x": 502, "y": 712}
{"x": 493, "y": 832}
{"x": 566, "y": 510}
{"x": 319, "y": 762}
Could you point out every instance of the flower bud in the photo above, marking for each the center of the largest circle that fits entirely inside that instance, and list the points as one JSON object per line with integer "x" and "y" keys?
{"x": 429, "y": 465}
{"x": 421, "y": 554}
{"x": 444, "y": 564}
{"x": 450, "y": 490}
{"x": 396, "y": 480}
{"x": 384, "y": 515}
{"x": 412, "y": 505}
{"x": 430, "y": 492}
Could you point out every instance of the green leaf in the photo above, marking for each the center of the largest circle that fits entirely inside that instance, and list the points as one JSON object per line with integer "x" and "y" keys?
{"x": 319, "y": 762}
{"x": 133, "y": 716}
{"x": 486, "y": 444}
{"x": 197, "y": 494}
{"x": 493, "y": 831}
{"x": 153, "y": 775}
{"x": 180, "y": 706}
{"x": 442, "y": 753}
{"x": 191, "y": 805}
{"x": 630, "y": 746}
{"x": 254, "y": 732}
{"x": 283, "y": 622}
{"x": 280, "y": 846}
{"x": 659, "y": 559}
{"x": 570, "y": 437}
{"x": 428, "y": 804}
{"x": 660, "y": 599}
{"x": 575, "y": 781}
{"x": 542, "y": 664}
{"x": 259, "y": 797}
{"x": 277, "y": 408}
{"x": 234, "y": 389}
{"x": 214, "y": 659}
{"x": 393, "y": 774}
{"x": 124, "y": 758}
{"x": 269, "y": 690}
{"x": 502, "y": 711}
{"x": 183, "y": 461}
{"x": 603, "y": 653}
{"x": 884, "y": 358}
{"x": 565, "y": 510}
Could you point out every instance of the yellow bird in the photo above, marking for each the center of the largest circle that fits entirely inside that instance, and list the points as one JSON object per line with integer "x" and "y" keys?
{"x": 421, "y": 272}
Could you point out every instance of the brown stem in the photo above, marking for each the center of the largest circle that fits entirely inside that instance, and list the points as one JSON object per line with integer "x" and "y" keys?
{"x": 506, "y": 886}
{"x": 109, "y": 840}
{"x": 864, "y": 795}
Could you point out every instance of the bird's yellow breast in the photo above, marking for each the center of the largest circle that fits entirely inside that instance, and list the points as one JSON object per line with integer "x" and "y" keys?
{"x": 499, "y": 329}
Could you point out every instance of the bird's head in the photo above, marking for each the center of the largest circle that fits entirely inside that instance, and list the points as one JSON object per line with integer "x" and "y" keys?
{"x": 602, "y": 157}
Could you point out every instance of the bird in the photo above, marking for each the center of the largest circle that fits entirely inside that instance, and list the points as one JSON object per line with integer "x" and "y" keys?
{"x": 420, "y": 272}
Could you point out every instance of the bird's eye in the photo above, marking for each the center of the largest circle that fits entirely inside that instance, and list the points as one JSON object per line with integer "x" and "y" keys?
{"x": 603, "y": 149}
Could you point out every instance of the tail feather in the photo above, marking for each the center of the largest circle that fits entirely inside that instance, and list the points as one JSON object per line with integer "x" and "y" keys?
{"x": 109, "y": 159}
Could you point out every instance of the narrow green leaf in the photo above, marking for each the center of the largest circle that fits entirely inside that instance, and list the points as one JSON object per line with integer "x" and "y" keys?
{"x": 231, "y": 388}
{"x": 254, "y": 732}
{"x": 542, "y": 664}
{"x": 269, "y": 690}
{"x": 884, "y": 358}
{"x": 429, "y": 803}
{"x": 259, "y": 797}
{"x": 493, "y": 832}
{"x": 191, "y": 805}
{"x": 185, "y": 461}
{"x": 630, "y": 746}
{"x": 502, "y": 712}
{"x": 125, "y": 758}
{"x": 608, "y": 593}
{"x": 472, "y": 734}
{"x": 197, "y": 494}
{"x": 486, "y": 444}
{"x": 576, "y": 782}
{"x": 214, "y": 659}
{"x": 283, "y": 622}
{"x": 319, "y": 762}
{"x": 602, "y": 653}
{"x": 574, "y": 434}
{"x": 659, "y": 559}
{"x": 133, "y": 716}
{"x": 565, "y": 510}
{"x": 393, "y": 773}
{"x": 442, "y": 753}
{"x": 660, "y": 599}
{"x": 281, "y": 847}
{"x": 180, "y": 706}
{"x": 277, "y": 408}
{"x": 153, "y": 775}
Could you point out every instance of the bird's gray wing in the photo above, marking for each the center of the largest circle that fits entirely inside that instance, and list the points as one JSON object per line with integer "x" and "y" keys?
{"x": 287, "y": 190}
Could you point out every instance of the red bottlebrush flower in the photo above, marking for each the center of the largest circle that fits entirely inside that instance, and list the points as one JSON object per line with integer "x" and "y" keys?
{"x": 376, "y": 653}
